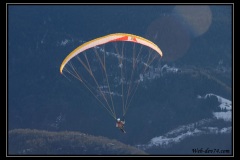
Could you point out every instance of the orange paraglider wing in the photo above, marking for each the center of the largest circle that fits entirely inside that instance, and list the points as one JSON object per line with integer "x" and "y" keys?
{"x": 110, "y": 38}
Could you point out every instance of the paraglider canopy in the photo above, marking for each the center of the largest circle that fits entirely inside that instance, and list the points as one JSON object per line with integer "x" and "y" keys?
{"x": 110, "y": 38}
{"x": 111, "y": 68}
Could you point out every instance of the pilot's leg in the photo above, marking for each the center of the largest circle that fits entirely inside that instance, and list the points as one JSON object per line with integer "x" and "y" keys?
{"x": 123, "y": 130}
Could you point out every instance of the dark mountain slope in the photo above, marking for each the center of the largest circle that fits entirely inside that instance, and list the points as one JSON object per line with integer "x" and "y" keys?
{"x": 39, "y": 142}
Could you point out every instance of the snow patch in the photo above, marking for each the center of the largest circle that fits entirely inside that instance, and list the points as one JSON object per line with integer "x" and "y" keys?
{"x": 198, "y": 128}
